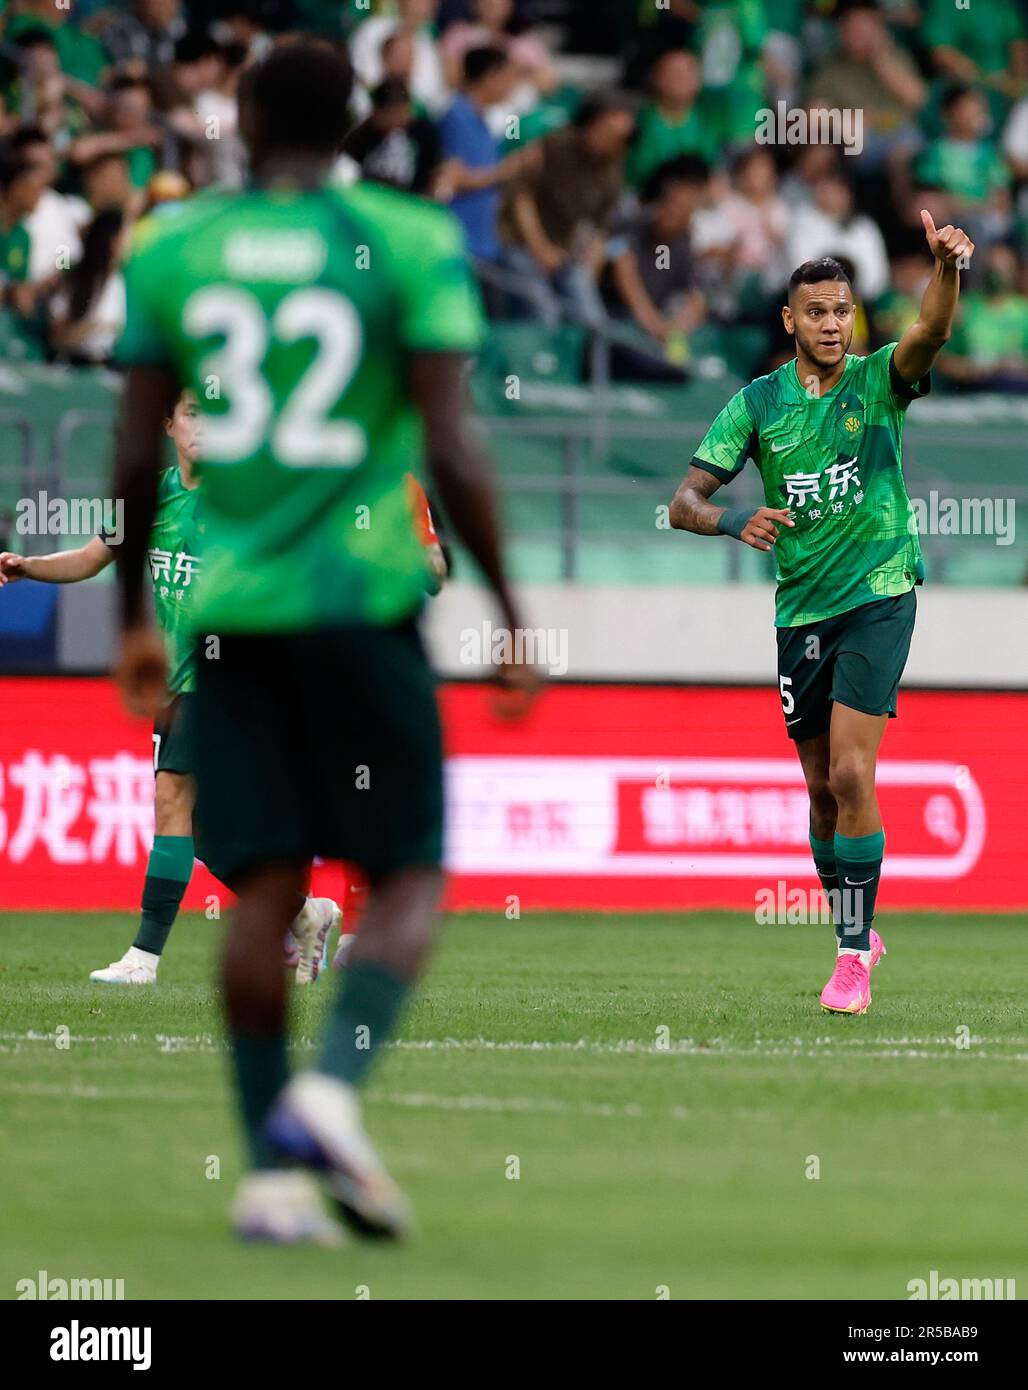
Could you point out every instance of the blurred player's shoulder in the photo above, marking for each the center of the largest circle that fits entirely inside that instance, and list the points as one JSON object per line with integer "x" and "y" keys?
{"x": 173, "y": 221}
{"x": 421, "y": 231}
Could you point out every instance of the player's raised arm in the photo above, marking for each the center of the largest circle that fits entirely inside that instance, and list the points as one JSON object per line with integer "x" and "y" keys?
{"x": 62, "y": 567}
{"x": 921, "y": 344}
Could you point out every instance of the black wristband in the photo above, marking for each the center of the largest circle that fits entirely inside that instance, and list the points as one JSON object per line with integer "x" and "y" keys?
{"x": 732, "y": 520}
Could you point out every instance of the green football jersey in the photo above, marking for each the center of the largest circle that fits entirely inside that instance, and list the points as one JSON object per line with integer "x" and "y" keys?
{"x": 835, "y": 461}
{"x": 173, "y": 557}
{"x": 292, "y": 315}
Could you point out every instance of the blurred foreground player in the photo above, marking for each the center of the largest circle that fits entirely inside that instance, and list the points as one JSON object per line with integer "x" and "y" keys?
{"x": 826, "y": 432}
{"x": 334, "y": 324}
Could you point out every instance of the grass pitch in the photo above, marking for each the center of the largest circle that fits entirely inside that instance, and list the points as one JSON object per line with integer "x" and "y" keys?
{"x": 536, "y": 1048}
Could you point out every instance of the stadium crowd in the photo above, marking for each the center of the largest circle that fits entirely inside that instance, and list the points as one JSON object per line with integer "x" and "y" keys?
{"x": 605, "y": 163}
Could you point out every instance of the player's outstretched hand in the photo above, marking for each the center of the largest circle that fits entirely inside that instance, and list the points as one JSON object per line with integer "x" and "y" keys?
{"x": 518, "y": 684}
{"x": 141, "y": 671}
{"x": 761, "y": 531}
{"x": 948, "y": 244}
{"x": 12, "y": 567}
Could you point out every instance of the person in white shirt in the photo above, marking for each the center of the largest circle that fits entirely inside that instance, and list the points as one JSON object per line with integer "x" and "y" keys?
{"x": 427, "y": 83}
{"x": 832, "y": 227}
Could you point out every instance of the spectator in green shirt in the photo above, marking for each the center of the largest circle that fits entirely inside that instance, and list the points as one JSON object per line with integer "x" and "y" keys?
{"x": 675, "y": 121}
{"x": 129, "y": 128}
{"x": 989, "y": 347}
{"x": 965, "y": 162}
{"x": 976, "y": 43}
{"x": 21, "y": 186}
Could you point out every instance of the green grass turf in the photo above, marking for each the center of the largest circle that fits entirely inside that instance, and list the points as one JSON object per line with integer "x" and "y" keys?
{"x": 639, "y": 1167}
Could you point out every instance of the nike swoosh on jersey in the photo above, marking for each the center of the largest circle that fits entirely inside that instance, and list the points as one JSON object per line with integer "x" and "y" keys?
{"x": 777, "y": 448}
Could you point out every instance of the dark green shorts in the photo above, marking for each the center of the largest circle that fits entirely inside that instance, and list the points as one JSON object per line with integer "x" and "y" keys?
{"x": 319, "y": 743}
{"x": 172, "y": 749}
{"x": 856, "y": 658}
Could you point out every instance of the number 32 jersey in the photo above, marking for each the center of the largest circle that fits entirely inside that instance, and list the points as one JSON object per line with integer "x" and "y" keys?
{"x": 292, "y": 315}
{"x": 835, "y": 461}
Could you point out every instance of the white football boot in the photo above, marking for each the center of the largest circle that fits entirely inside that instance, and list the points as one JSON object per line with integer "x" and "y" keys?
{"x": 317, "y": 1121}
{"x": 310, "y": 931}
{"x": 283, "y": 1206}
{"x": 136, "y": 967}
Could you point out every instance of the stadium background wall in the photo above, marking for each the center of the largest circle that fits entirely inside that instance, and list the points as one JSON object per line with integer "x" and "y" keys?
{"x": 610, "y": 797}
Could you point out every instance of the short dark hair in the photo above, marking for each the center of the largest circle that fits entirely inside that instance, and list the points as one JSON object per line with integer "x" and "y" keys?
{"x": 392, "y": 91}
{"x": 28, "y": 135}
{"x": 957, "y": 92}
{"x": 480, "y": 62}
{"x": 35, "y": 37}
{"x": 13, "y": 164}
{"x": 813, "y": 272}
{"x": 684, "y": 168}
{"x": 595, "y": 108}
{"x": 302, "y": 91}
{"x": 195, "y": 44}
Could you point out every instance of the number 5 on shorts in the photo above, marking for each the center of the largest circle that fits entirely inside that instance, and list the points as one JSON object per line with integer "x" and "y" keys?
{"x": 788, "y": 702}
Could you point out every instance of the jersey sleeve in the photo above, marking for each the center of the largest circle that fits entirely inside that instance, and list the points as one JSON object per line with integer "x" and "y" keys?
{"x": 142, "y": 341}
{"x": 731, "y": 439}
{"x": 440, "y": 308}
{"x": 882, "y": 373}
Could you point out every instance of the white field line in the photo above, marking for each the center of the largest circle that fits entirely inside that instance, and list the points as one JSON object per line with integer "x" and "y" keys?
{"x": 939, "y": 1047}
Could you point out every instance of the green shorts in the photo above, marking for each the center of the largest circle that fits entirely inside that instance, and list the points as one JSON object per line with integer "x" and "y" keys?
{"x": 856, "y": 658}
{"x": 172, "y": 750}
{"x": 319, "y": 743}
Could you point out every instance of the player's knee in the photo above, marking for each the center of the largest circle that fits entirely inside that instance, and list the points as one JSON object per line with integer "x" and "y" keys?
{"x": 173, "y": 803}
{"x": 851, "y": 778}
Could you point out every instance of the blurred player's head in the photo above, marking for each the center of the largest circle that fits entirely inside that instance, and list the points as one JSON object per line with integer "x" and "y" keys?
{"x": 106, "y": 182}
{"x": 21, "y": 184}
{"x": 183, "y": 428}
{"x": 606, "y": 128}
{"x": 965, "y": 113}
{"x": 819, "y": 314}
{"x": 295, "y": 103}
{"x": 35, "y": 146}
{"x": 675, "y": 191}
{"x": 489, "y": 75}
{"x": 676, "y": 78}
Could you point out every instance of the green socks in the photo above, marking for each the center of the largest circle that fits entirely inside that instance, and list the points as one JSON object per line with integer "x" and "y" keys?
{"x": 261, "y": 1072}
{"x": 824, "y": 862}
{"x": 363, "y": 1018}
{"x": 167, "y": 876}
{"x": 858, "y": 860}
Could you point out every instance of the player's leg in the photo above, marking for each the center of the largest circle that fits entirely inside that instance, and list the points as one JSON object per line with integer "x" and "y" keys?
{"x": 170, "y": 865}
{"x": 814, "y": 755}
{"x": 859, "y": 839}
{"x": 872, "y": 653}
{"x": 248, "y": 760}
{"x": 392, "y": 828}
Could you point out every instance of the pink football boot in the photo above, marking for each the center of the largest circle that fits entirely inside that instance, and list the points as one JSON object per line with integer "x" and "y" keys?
{"x": 849, "y": 989}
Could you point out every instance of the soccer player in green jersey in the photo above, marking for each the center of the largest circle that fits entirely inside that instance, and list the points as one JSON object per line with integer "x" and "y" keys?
{"x": 173, "y": 558}
{"x": 325, "y": 332}
{"x": 825, "y": 432}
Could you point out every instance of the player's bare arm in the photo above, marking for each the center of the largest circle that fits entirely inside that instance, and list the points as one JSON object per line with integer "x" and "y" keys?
{"x": 459, "y": 469}
{"x": 691, "y": 510}
{"x": 62, "y": 567}
{"x": 148, "y": 400}
{"x": 921, "y": 344}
